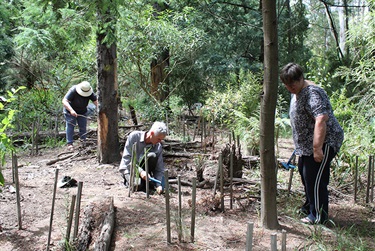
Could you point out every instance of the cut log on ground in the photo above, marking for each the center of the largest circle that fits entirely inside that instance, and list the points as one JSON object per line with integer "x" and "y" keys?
{"x": 97, "y": 226}
{"x": 183, "y": 154}
{"x": 104, "y": 241}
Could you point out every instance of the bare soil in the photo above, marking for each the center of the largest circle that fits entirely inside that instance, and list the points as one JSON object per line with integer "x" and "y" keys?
{"x": 141, "y": 221}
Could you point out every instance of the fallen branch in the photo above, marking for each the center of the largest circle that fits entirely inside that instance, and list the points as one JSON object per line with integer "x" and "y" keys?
{"x": 60, "y": 159}
{"x": 188, "y": 183}
{"x": 184, "y": 155}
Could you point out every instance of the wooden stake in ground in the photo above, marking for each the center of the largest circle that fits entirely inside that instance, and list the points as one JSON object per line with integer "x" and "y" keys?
{"x": 356, "y": 179}
{"x": 231, "y": 179}
{"x": 217, "y": 175}
{"x": 70, "y": 220}
{"x": 291, "y": 172}
{"x": 372, "y": 180}
{"x": 53, "y": 207}
{"x": 274, "y": 242}
{"x": 369, "y": 179}
{"x": 179, "y": 220}
{"x": 132, "y": 169}
{"x": 249, "y": 236}
{"x": 17, "y": 183}
{"x": 167, "y": 208}
{"x": 221, "y": 181}
{"x": 193, "y": 200}
{"x": 147, "y": 171}
{"x": 78, "y": 208}
{"x": 283, "y": 240}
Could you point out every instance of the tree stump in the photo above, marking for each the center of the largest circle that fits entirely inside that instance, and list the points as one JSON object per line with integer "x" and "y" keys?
{"x": 238, "y": 163}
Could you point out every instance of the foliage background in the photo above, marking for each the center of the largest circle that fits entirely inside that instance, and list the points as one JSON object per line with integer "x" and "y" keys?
{"x": 215, "y": 50}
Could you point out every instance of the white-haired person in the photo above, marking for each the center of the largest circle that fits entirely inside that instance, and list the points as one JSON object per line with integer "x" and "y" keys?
{"x": 151, "y": 141}
{"x": 75, "y": 104}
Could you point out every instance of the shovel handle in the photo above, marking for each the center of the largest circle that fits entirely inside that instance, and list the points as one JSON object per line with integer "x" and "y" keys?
{"x": 155, "y": 180}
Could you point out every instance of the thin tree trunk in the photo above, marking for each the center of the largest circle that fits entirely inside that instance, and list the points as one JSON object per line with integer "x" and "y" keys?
{"x": 267, "y": 118}
{"x": 159, "y": 77}
{"x": 333, "y": 29}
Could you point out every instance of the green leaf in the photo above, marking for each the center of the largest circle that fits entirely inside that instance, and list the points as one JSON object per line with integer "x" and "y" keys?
{"x": 2, "y": 181}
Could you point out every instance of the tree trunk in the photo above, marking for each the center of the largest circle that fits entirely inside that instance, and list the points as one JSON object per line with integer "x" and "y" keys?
{"x": 267, "y": 117}
{"x": 333, "y": 29}
{"x": 133, "y": 114}
{"x": 342, "y": 36}
{"x": 159, "y": 77}
{"x": 108, "y": 139}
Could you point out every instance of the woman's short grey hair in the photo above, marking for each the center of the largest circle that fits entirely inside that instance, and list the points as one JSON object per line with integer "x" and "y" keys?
{"x": 159, "y": 128}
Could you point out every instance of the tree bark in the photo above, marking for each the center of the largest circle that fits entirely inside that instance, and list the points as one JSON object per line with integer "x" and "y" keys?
{"x": 159, "y": 77}
{"x": 104, "y": 241}
{"x": 267, "y": 117}
{"x": 108, "y": 139}
{"x": 97, "y": 226}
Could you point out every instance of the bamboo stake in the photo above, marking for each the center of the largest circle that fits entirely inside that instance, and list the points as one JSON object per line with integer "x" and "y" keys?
{"x": 17, "y": 183}
{"x": 231, "y": 179}
{"x": 32, "y": 138}
{"x": 179, "y": 209}
{"x": 52, "y": 209}
{"x": 221, "y": 181}
{"x": 193, "y": 200}
{"x": 274, "y": 242}
{"x": 70, "y": 220}
{"x": 132, "y": 170}
{"x": 372, "y": 180}
{"x": 146, "y": 167}
{"x": 167, "y": 207}
{"x": 249, "y": 236}
{"x": 37, "y": 135}
{"x": 368, "y": 179}
{"x": 291, "y": 172}
{"x": 217, "y": 177}
{"x": 78, "y": 208}
{"x": 283, "y": 240}
{"x": 14, "y": 159}
{"x": 356, "y": 179}
{"x": 213, "y": 136}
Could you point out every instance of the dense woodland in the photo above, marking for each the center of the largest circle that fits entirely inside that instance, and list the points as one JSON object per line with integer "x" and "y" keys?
{"x": 168, "y": 56}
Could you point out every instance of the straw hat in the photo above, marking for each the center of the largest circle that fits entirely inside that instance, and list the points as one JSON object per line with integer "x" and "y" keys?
{"x": 84, "y": 89}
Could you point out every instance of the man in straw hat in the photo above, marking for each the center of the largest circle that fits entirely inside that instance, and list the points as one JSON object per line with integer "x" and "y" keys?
{"x": 75, "y": 110}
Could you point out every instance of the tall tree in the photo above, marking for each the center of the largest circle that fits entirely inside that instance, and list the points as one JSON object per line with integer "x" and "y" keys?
{"x": 159, "y": 77}
{"x": 267, "y": 117}
{"x": 108, "y": 139}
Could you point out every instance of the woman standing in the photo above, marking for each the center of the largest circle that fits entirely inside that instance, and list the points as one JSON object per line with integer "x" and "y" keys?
{"x": 317, "y": 137}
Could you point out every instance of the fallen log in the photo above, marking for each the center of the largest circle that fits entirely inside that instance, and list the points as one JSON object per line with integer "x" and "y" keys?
{"x": 104, "y": 241}
{"x": 97, "y": 226}
{"x": 207, "y": 184}
{"x": 184, "y": 155}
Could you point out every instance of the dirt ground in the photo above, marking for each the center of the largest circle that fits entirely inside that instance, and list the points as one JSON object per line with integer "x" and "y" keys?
{"x": 141, "y": 221}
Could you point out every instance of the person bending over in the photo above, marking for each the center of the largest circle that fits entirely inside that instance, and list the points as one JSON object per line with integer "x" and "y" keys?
{"x": 151, "y": 141}
{"x": 75, "y": 104}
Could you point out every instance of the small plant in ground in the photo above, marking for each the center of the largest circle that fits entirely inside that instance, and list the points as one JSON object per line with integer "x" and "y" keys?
{"x": 7, "y": 117}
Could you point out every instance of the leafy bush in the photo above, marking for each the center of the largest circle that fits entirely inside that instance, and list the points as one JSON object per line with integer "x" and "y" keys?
{"x": 7, "y": 116}
{"x": 237, "y": 108}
